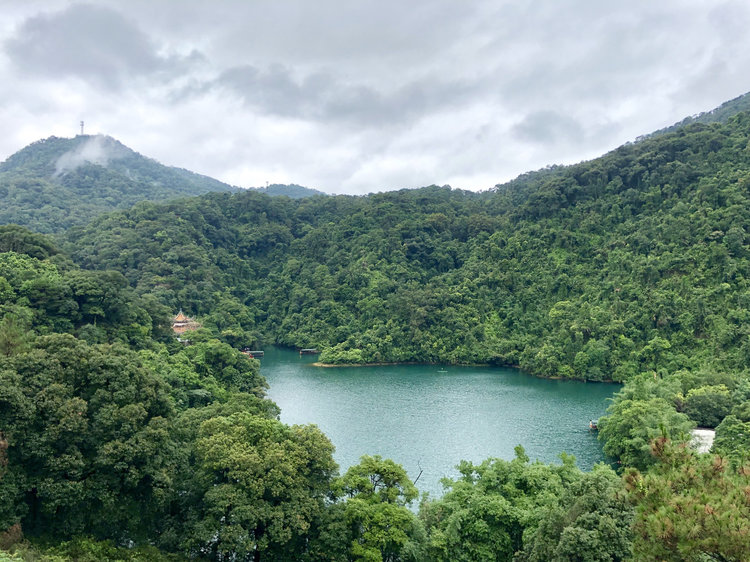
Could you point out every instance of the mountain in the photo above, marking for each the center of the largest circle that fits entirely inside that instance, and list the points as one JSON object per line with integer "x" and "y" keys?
{"x": 517, "y": 191}
{"x": 57, "y": 183}
{"x": 634, "y": 261}
{"x": 66, "y": 159}
{"x": 293, "y": 191}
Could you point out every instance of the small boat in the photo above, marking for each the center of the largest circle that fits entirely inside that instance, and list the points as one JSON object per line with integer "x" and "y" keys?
{"x": 442, "y": 371}
{"x": 594, "y": 425}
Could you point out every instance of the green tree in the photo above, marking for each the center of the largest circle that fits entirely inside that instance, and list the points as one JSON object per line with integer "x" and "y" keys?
{"x": 263, "y": 486}
{"x": 689, "y": 507}
{"x": 88, "y": 440}
{"x": 380, "y": 526}
{"x": 732, "y": 439}
{"x": 487, "y": 512}
{"x": 630, "y": 425}
{"x": 591, "y": 523}
{"x": 708, "y": 405}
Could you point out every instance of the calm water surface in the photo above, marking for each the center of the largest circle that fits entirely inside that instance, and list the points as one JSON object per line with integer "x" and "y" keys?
{"x": 420, "y": 417}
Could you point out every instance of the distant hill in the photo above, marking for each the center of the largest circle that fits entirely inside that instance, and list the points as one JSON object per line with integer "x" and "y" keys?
{"x": 293, "y": 191}
{"x": 57, "y": 183}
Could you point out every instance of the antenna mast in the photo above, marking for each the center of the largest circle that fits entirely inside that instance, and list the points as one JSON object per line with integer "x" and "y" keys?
{"x": 81, "y": 128}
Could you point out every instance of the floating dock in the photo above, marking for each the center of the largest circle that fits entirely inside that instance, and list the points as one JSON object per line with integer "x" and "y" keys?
{"x": 308, "y": 351}
{"x": 253, "y": 353}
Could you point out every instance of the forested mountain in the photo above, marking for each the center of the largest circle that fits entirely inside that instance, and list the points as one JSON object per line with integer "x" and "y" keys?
{"x": 57, "y": 183}
{"x": 117, "y": 442}
{"x": 636, "y": 260}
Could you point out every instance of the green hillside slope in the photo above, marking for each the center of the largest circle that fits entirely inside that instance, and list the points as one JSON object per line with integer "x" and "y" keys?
{"x": 637, "y": 260}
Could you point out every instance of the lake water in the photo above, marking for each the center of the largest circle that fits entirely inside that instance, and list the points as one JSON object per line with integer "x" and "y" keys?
{"x": 420, "y": 417}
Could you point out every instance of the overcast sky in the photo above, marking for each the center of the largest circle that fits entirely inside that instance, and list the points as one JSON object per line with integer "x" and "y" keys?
{"x": 357, "y": 96}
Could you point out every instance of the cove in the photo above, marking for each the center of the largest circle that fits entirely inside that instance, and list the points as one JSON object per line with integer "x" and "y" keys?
{"x": 420, "y": 417}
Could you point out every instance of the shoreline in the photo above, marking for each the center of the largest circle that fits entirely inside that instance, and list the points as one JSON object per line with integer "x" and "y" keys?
{"x": 322, "y": 365}
{"x": 382, "y": 364}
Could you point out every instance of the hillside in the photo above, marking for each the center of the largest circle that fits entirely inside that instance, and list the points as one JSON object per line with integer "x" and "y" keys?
{"x": 719, "y": 114}
{"x": 634, "y": 261}
{"x": 57, "y": 183}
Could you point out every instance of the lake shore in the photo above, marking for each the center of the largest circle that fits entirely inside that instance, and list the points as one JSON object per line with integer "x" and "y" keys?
{"x": 398, "y": 363}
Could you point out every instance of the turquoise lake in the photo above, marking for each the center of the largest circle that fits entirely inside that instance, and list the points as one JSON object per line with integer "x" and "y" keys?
{"x": 423, "y": 418}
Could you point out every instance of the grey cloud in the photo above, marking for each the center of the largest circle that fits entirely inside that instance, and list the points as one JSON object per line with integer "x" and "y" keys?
{"x": 548, "y": 127}
{"x": 93, "y": 43}
{"x": 323, "y": 97}
{"x": 586, "y": 51}
{"x": 387, "y": 92}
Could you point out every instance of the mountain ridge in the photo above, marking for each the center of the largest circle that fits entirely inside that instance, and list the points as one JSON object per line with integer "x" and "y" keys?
{"x": 55, "y": 183}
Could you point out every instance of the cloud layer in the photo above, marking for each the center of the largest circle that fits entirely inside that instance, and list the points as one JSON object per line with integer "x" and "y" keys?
{"x": 366, "y": 96}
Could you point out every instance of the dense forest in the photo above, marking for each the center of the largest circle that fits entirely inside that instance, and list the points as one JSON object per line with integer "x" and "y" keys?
{"x": 635, "y": 261}
{"x": 118, "y": 442}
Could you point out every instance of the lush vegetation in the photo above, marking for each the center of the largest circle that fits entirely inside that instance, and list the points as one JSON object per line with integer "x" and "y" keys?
{"x": 292, "y": 191}
{"x": 637, "y": 261}
{"x": 118, "y": 442}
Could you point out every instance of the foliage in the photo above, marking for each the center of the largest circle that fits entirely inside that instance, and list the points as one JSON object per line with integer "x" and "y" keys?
{"x": 690, "y": 507}
{"x": 708, "y": 405}
{"x": 493, "y": 506}
{"x": 86, "y": 550}
{"x": 590, "y": 523}
{"x": 380, "y": 528}
{"x": 634, "y": 262}
{"x": 631, "y": 425}
{"x": 14, "y": 238}
{"x": 263, "y": 486}
{"x": 87, "y": 436}
{"x": 57, "y": 183}
{"x": 107, "y": 432}
{"x": 45, "y": 297}
{"x": 732, "y": 439}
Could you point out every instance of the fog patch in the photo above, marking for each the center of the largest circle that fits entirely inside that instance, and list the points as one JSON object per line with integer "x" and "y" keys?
{"x": 97, "y": 149}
